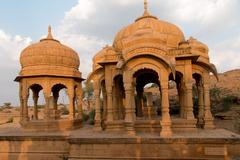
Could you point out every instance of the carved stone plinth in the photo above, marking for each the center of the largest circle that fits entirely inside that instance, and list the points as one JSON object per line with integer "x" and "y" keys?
{"x": 166, "y": 129}
{"x": 130, "y": 128}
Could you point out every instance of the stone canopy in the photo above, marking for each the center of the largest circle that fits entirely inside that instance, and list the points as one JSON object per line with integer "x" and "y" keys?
{"x": 50, "y": 66}
{"x": 151, "y": 51}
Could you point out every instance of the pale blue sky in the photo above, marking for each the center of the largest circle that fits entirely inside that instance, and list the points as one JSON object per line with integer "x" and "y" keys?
{"x": 30, "y": 17}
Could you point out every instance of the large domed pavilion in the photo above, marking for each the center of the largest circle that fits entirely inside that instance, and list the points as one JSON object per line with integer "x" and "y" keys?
{"x": 151, "y": 50}
{"x": 50, "y": 66}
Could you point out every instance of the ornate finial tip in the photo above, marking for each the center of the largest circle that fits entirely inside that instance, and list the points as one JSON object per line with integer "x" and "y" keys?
{"x": 145, "y": 5}
{"x": 49, "y": 32}
{"x": 145, "y": 8}
{"x": 49, "y": 29}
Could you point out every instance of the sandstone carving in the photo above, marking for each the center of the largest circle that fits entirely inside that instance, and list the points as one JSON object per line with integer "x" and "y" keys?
{"x": 50, "y": 66}
{"x": 151, "y": 51}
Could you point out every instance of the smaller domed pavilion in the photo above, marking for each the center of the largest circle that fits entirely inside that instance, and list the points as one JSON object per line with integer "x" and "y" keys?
{"x": 50, "y": 66}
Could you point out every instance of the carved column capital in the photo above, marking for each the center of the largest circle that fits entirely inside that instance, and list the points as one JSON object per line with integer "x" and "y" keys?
{"x": 206, "y": 87}
{"x": 96, "y": 93}
{"x": 128, "y": 87}
{"x": 164, "y": 85}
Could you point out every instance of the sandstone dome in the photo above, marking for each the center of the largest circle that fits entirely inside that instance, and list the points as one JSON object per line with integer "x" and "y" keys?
{"x": 151, "y": 27}
{"x": 49, "y": 57}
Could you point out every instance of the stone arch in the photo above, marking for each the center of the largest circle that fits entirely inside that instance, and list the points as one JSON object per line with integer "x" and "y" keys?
{"x": 34, "y": 83}
{"x": 151, "y": 60}
{"x": 34, "y": 94}
{"x": 203, "y": 72}
{"x": 58, "y": 86}
{"x": 146, "y": 63}
{"x": 145, "y": 104}
{"x": 95, "y": 75}
{"x": 59, "y": 83}
{"x": 35, "y": 86}
{"x": 206, "y": 68}
{"x": 55, "y": 96}
{"x": 198, "y": 69}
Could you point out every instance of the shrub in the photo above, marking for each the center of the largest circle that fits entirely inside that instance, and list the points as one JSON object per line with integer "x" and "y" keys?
{"x": 7, "y": 105}
{"x": 64, "y": 111}
{"x": 226, "y": 102}
{"x": 84, "y": 117}
{"x": 10, "y": 120}
{"x": 221, "y": 100}
{"x": 215, "y": 96}
{"x": 92, "y": 117}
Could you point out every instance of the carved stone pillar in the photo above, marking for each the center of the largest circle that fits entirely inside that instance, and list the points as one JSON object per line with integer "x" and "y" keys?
{"x": 133, "y": 99}
{"x": 166, "y": 119}
{"x": 104, "y": 103}
{"x": 129, "y": 113}
{"x": 208, "y": 118}
{"x": 200, "y": 106}
{"x": 47, "y": 106}
{"x": 71, "y": 103}
{"x": 79, "y": 101}
{"x": 189, "y": 101}
{"x": 21, "y": 102}
{"x": 25, "y": 106}
{"x": 35, "y": 103}
{"x": 109, "y": 104}
{"x": 97, "y": 125}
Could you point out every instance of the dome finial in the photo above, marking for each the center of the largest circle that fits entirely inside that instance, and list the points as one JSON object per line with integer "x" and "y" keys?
{"x": 49, "y": 32}
{"x": 145, "y": 7}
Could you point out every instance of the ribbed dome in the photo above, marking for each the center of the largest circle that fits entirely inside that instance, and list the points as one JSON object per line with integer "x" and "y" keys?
{"x": 49, "y": 57}
{"x": 168, "y": 33}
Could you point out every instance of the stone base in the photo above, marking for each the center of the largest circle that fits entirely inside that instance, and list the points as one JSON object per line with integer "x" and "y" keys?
{"x": 152, "y": 126}
{"x": 178, "y": 124}
{"x": 86, "y": 144}
{"x": 51, "y": 125}
{"x": 130, "y": 129}
{"x": 116, "y": 125}
{"x": 97, "y": 126}
{"x": 150, "y": 149}
{"x": 208, "y": 124}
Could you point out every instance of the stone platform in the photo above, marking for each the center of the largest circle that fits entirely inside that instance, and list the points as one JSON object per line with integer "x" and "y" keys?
{"x": 52, "y": 125}
{"x": 85, "y": 143}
